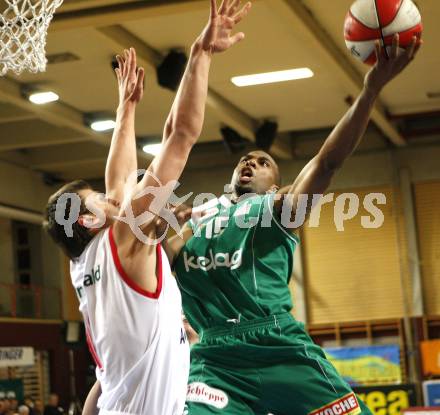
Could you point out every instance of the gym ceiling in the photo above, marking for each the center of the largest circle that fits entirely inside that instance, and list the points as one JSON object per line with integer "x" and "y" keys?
{"x": 280, "y": 34}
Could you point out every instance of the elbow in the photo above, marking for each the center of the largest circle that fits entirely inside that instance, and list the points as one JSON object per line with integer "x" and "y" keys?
{"x": 184, "y": 140}
{"x": 186, "y": 132}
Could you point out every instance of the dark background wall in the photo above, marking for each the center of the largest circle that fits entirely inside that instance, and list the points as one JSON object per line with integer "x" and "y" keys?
{"x": 50, "y": 337}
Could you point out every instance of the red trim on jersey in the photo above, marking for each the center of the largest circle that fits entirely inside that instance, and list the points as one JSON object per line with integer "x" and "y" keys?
{"x": 92, "y": 349}
{"x": 130, "y": 281}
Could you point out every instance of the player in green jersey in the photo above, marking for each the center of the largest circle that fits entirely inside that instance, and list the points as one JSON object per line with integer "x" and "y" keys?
{"x": 253, "y": 356}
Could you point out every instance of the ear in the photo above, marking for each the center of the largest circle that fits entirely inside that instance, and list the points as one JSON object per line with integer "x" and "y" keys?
{"x": 89, "y": 221}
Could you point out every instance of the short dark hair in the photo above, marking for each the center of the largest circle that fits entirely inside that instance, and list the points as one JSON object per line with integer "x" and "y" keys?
{"x": 74, "y": 246}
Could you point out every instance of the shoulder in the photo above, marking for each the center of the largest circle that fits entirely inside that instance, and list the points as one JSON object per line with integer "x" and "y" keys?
{"x": 272, "y": 215}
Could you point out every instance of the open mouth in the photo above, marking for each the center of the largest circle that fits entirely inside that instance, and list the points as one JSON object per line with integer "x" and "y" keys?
{"x": 246, "y": 175}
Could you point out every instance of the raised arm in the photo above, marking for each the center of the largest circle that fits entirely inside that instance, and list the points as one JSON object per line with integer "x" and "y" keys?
{"x": 345, "y": 137}
{"x": 122, "y": 158}
{"x": 187, "y": 114}
{"x": 216, "y": 37}
{"x": 91, "y": 403}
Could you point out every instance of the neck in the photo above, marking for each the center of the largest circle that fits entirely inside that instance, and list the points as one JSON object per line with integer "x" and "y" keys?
{"x": 236, "y": 196}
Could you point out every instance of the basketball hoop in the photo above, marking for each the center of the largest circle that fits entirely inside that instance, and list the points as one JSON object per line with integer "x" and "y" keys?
{"x": 23, "y": 31}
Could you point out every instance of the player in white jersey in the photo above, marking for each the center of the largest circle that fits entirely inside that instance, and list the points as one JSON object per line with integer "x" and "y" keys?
{"x": 130, "y": 302}
{"x": 143, "y": 328}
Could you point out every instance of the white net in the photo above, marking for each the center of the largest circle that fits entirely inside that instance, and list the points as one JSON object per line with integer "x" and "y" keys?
{"x": 23, "y": 31}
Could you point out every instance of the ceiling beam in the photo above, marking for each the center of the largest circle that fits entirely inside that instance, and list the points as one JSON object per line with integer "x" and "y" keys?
{"x": 60, "y": 165}
{"x": 230, "y": 114}
{"x": 59, "y": 157}
{"x": 10, "y": 113}
{"x": 4, "y": 119}
{"x": 56, "y": 113}
{"x": 71, "y": 5}
{"x": 20, "y": 214}
{"x": 24, "y": 135}
{"x": 22, "y": 142}
{"x": 296, "y": 14}
{"x": 117, "y": 13}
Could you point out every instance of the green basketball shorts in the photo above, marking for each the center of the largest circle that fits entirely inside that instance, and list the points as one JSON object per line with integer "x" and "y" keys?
{"x": 265, "y": 366}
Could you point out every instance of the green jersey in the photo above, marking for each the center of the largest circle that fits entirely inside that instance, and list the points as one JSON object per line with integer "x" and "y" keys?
{"x": 236, "y": 270}
{"x": 238, "y": 264}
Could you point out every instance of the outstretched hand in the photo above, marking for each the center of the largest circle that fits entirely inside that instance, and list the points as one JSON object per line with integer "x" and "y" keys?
{"x": 182, "y": 213}
{"x": 130, "y": 78}
{"x": 217, "y": 35}
{"x": 387, "y": 68}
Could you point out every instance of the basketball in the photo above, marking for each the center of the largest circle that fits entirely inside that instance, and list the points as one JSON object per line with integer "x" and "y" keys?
{"x": 370, "y": 20}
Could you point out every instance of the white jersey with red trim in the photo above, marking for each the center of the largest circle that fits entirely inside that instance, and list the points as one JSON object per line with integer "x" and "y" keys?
{"x": 136, "y": 338}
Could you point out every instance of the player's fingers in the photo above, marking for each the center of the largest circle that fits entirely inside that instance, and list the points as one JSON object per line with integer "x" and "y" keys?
{"x": 412, "y": 48}
{"x": 140, "y": 79}
{"x": 126, "y": 62}
{"x": 223, "y": 6}
{"x": 233, "y": 7}
{"x": 122, "y": 65}
{"x": 186, "y": 213}
{"x": 378, "y": 51}
{"x": 228, "y": 23}
{"x": 118, "y": 74}
{"x": 418, "y": 46}
{"x": 181, "y": 216}
{"x": 213, "y": 8}
{"x": 242, "y": 13}
{"x": 394, "y": 46}
{"x": 120, "y": 62}
{"x": 182, "y": 208}
{"x": 130, "y": 70}
{"x": 133, "y": 60}
{"x": 238, "y": 37}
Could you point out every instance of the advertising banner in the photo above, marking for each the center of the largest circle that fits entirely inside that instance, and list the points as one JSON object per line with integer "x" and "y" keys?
{"x": 388, "y": 400}
{"x": 16, "y": 356}
{"x": 12, "y": 388}
{"x": 431, "y": 393}
{"x": 369, "y": 365}
{"x": 430, "y": 351}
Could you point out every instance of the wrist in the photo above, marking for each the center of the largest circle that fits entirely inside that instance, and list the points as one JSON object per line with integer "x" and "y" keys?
{"x": 198, "y": 48}
{"x": 125, "y": 107}
{"x": 371, "y": 92}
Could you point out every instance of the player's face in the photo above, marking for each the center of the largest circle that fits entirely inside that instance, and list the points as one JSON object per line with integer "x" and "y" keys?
{"x": 257, "y": 172}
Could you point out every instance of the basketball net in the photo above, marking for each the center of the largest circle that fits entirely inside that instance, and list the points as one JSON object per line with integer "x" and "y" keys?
{"x": 23, "y": 31}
